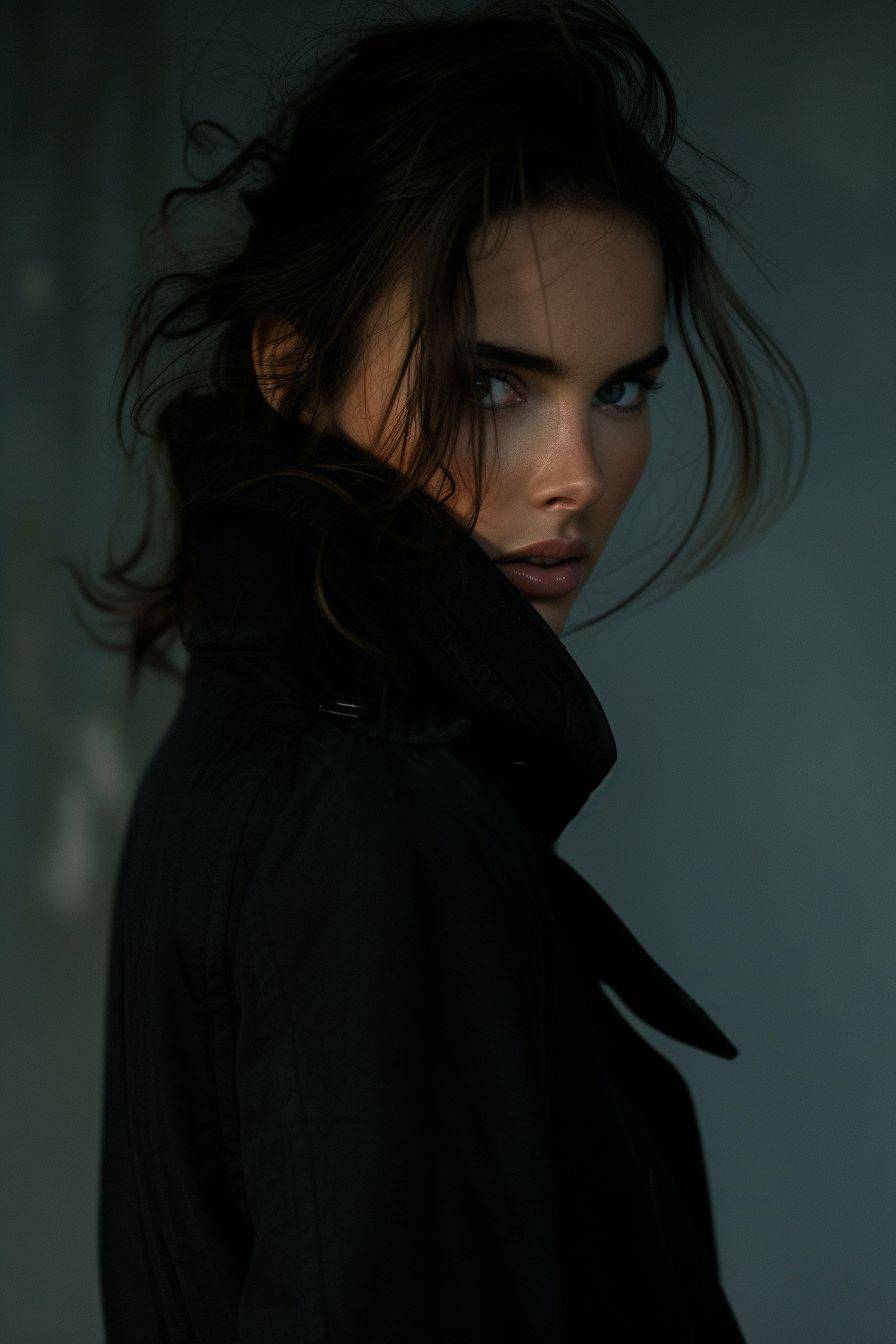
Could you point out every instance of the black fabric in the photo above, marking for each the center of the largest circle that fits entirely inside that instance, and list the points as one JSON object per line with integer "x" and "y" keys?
{"x": 362, "y": 1078}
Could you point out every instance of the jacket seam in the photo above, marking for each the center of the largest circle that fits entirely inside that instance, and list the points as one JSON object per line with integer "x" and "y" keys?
{"x": 257, "y": 933}
{"x": 221, "y": 1027}
{"x": 307, "y": 1130}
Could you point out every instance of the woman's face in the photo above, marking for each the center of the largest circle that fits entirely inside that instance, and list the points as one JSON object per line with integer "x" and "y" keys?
{"x": 578, "y": 298}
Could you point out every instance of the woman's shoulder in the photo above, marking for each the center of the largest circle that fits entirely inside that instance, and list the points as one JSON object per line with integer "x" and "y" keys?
{"x": 390, "y": 798}
{"x": 242, "y": 822}
{"x": 349, "y": 826}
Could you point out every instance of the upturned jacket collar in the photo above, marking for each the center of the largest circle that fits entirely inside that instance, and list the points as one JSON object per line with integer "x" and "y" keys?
{"x": 477, "y": 660}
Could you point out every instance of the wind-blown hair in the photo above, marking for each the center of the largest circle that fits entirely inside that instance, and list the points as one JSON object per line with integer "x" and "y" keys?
{"x": 408, "y": 136}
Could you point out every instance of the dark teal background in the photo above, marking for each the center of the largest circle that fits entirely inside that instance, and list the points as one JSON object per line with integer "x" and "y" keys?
{"x": 746, "y": 834}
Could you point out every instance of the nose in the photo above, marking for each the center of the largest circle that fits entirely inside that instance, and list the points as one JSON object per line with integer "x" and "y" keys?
{"x": 574, "y": 476}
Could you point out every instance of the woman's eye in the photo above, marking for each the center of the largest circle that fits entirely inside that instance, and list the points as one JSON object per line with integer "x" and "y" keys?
{"x": 623, "y": 403}
{"x": 485, "y": 376}
{"x": 620, "y": 401}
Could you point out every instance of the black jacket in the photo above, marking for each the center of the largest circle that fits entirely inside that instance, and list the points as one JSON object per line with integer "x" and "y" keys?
{"x": 362, "y": 1082}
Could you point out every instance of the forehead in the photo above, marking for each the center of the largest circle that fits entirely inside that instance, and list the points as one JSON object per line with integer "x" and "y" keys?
{"x": 576, "y": 282}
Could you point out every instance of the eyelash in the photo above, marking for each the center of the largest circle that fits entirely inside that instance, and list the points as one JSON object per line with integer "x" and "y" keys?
{"x": 645, "y": 381}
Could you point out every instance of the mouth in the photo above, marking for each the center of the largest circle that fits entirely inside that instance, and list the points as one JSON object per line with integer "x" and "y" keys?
{"x": 540, "y": 577}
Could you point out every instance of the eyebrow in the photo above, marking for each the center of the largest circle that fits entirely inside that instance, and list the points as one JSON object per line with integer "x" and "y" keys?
{"x": 552, "y": 368}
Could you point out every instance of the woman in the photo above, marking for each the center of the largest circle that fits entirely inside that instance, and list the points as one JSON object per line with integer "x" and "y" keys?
{"x": 362, "y": 1080}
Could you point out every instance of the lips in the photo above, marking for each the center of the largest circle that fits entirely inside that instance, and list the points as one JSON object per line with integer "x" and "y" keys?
{"x": 556, "y": 580}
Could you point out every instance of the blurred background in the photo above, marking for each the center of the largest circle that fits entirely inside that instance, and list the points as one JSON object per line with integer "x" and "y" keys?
{"x": 746, "y": 834}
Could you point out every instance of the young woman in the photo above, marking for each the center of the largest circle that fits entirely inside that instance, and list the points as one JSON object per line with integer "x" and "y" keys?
{"x": 362, "y": 1080}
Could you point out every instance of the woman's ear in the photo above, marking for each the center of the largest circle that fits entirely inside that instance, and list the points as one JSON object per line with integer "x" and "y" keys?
{"x": 276, "y": 345}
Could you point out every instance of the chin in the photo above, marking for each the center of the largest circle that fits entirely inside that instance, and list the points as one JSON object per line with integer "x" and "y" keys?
{"x": 554, "y": 610}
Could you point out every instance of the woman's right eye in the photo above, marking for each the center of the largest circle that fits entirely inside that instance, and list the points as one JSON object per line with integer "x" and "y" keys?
{"x": 490, "y": 376}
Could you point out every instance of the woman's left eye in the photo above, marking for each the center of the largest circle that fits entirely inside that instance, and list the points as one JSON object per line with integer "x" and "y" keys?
{"x": 623, "y": 404}
{"x": 644, "y": 384}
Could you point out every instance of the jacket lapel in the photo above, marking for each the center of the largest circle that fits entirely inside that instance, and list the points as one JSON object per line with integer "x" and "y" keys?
{"x": 608, "y": 950}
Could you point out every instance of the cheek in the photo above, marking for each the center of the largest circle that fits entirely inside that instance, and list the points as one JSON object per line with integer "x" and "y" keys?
{"x": 505, "y": 491}
{"x": 495, "y": 486}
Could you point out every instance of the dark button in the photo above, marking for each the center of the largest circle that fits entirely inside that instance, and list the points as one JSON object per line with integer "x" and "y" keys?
{"x": 512, "y": 776}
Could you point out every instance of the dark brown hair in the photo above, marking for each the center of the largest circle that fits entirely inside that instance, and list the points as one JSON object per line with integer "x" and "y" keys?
{"x": 404, "y": 139}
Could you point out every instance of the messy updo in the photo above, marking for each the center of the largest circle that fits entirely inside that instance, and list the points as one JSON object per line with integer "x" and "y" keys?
{"x": 380, "y": 162}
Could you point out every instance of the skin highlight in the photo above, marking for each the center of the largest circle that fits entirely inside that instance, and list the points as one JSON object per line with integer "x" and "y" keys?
{"x": 566, "y": 450}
